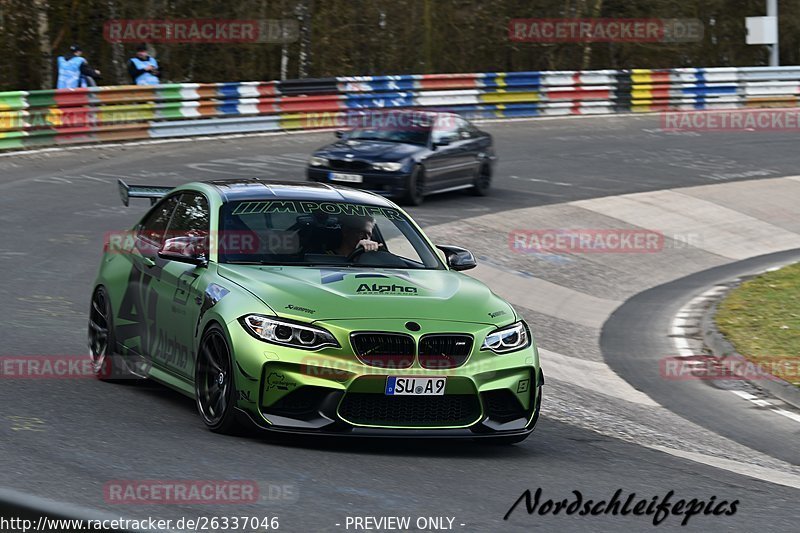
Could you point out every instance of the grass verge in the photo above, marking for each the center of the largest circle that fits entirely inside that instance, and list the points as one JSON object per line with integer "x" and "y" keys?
{"x": 761, "y": 318}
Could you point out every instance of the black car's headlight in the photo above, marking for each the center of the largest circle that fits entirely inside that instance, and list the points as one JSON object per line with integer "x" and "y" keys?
{"x": 317, "y": 161}
{"x": 388, "y": 166}
{"x": 287, "y": 333}
{"x": 508, "y": 339}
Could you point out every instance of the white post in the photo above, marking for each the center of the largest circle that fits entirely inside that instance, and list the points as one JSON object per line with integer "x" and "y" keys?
{"x": 772, "y": 11}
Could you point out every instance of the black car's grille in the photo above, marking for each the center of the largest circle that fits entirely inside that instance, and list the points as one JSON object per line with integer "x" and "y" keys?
{"x": 444, "y": 350}
{"x": 384, "y": 350}
{"x": 410, "y": 411}
{"x": 344, "y": 164}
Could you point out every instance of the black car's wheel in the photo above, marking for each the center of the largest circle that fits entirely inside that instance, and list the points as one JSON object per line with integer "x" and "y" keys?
{"x": 415, "y": 186}
{"x": 483, "y": 181}
{"x": 215, "y": 390}
{"x": 107, "y": 364}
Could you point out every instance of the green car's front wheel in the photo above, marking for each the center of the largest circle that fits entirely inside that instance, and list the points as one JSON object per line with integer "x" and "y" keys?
{"x": 100, "y": 333}
{"x": 215, "y": 390}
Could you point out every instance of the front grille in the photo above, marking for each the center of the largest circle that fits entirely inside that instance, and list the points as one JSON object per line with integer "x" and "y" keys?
{"x": 444, "y": 350}
{"x": 410, "y": 411}
{"x": 384, "y": 350}
{"x": 343, "y": 164}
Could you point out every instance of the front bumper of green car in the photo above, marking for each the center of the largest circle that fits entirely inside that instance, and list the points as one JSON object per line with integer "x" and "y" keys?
{"x": 334, "y": 391}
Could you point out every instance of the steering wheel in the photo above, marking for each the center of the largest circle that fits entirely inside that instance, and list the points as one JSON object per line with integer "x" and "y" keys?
{"x": 355, "y": 253}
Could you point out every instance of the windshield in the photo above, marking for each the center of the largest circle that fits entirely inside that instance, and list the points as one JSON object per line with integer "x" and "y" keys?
{"x": 303, "y": 233}
{"x": 416, "y": 134}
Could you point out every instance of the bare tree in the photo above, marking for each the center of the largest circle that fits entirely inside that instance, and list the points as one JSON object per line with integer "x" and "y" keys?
{"x": 45, "y": 51}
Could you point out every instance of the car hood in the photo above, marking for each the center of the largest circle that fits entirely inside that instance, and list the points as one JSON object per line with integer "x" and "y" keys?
{"x": 311, "y": 294}
{"x": 371, "y": 150}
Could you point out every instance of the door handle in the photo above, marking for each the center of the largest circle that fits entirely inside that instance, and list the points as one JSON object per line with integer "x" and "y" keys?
{"x": 148, "y": 262}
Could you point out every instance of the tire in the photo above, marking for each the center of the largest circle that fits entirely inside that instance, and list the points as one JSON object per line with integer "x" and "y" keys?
{"x": 107, "y": 364}
{"x": 415, "y": 187}
{"x": 214, "y": 383}
{"x": 483, "y": 181}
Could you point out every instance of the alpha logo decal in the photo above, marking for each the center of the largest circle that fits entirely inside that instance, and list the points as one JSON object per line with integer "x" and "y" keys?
{"x": 382, "y": 289}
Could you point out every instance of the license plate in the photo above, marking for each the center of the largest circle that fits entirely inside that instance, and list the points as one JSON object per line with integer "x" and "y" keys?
{"x": 397, "y": 386}
{"x": 349, "y": 178}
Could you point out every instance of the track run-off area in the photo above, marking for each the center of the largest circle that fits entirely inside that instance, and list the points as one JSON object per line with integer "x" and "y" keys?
{"x": 726, "y": 204}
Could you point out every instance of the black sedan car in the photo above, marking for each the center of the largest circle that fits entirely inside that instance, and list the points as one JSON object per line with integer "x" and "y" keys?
{"x": 407, "y": 155}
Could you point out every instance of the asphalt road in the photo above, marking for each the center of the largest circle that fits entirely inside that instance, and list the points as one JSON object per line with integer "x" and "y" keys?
{"x": 65, "y": 440}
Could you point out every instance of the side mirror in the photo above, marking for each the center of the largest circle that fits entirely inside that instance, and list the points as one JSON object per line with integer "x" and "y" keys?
{"x": 339, "y": 133}
{"x": 189, "y": 250}
{"x": 444, "y": 141}
{"x": 458, "y": 258}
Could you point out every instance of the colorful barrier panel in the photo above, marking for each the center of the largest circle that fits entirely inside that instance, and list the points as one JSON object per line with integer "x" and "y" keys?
{"x": 66, "y": 116}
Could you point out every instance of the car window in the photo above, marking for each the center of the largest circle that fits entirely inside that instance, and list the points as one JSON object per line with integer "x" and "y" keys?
{"x": 465, "y": 129}
{"x": 191, "y": 215}
{"x": 288, "y": 232}
{"x": 446, "y": 127}
{"x": 154, "y": 225}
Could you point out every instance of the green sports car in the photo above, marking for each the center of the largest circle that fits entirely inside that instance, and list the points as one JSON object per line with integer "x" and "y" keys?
{"x": 309, "y": 308}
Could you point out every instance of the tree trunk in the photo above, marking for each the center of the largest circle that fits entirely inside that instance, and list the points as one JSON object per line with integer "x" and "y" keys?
{"x": 45, "y": 51}
{"x": 428, "y": 44}
{"x": 303, "y": 12}
{"x": 587, "y": 49}
{"x": 117, "y": 53}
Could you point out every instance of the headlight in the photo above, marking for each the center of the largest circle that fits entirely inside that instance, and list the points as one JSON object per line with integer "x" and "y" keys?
{"x": 316, "y": 161}
{"x": 509, "y": 339}
{"x": 287, "y": 333}
{"x": 387, "y": 167}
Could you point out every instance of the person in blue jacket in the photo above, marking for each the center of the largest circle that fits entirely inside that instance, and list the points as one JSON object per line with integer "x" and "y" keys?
{"x": 143, "y": 68}
{"x": 74, "y": 71}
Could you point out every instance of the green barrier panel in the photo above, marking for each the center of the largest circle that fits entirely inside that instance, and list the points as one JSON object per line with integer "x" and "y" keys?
{"x": 40, "y": 138}
{"x": 170, "y": 110}
{"x": 170, "y": 92}
{"x": 11, "y": 139}
{"x": 13, "y": 100}
{"x": 41, "y": 99}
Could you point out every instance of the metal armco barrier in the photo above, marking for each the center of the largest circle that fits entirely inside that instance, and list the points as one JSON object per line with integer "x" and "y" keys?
{"x": 67, "y": 116}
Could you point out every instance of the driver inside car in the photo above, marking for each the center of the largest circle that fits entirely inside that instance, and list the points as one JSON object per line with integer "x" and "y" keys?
{"x": 356, "y": 231}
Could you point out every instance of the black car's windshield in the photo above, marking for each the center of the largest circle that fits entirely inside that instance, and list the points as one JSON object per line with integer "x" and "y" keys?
{"x": 306, "y": 233}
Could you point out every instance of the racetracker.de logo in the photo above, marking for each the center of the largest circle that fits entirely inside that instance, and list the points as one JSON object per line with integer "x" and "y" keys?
{"x": 160, "y": 491}
{"x": 405, "y": 120}
{"x": 709, "y": 367}
{"x": 732, "y": 120}
{"x": 280, "y": 31}
{"x": 46, "y": 367}
{"x": 582, "y": 241}
{"x": 604, "y": 30}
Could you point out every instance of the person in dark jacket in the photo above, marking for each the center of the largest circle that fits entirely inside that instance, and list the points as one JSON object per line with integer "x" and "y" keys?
{"x": 74, "y": 71}
{"x": 143, "y": 68}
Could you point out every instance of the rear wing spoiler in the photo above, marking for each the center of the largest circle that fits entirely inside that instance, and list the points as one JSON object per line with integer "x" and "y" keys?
{"x": 154, "y": 192}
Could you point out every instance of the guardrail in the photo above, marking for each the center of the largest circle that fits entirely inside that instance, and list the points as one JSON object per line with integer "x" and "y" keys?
{"x": 66, "y": 116}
